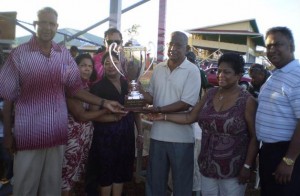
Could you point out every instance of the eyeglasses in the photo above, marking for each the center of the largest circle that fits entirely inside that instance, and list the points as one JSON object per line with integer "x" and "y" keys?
{"x": 275, "y": 45}
{"x": 109, "y": 42}
{"x": 45, "y": 24}
{"x": 174, "y": 45}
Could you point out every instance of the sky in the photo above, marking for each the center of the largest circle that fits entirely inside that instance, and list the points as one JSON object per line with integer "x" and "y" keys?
{"x": 180, "y": 15}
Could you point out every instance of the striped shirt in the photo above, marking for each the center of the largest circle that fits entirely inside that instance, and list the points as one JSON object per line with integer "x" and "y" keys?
{"x": 279, "y": 105}
{"x": 38, "y": 84}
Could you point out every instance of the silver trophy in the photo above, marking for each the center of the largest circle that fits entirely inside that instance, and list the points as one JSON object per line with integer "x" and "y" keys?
{"x": 135, "y": 62}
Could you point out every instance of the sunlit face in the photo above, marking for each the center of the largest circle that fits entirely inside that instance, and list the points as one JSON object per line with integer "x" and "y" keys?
{"x": 110, "y": 70}
{"x": 85, "y": 68}
{"x": 46, "y": 26}
{"x": 226, "y": 75}
{"x": 176, "y": 48}
{"x": 279, "y": 49}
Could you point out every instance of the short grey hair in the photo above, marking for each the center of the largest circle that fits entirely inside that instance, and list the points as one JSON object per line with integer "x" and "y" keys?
{"x": 47, "y": 10}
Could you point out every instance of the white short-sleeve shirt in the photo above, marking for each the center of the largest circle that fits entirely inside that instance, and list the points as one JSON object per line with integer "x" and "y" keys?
{"x": 166, "y": 87}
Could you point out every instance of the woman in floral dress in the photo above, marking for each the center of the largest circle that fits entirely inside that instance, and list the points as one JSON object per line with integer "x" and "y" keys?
{"x": 80, "y": 130}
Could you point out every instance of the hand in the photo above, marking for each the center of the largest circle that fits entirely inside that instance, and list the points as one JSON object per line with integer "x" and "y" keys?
{"x": 114, "y": 107}
{"x": 156, "y": 116}
{"x": 283, "y": 173}
{"x": 151, "y": 109}
{"x": 139, "y": 141}
{"x": 244, "y": 175}
{"x": 9, "y": 143}
{"x": 119, "y": 116}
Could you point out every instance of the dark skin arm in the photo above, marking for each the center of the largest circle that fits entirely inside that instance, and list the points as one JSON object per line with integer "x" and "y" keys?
{"x": 284, "y": 172}
{"x": 253, "y": 145}
{"x": 181, "y": 118}
{"x": 80, "y": 114}
{"x": 138, "y": 123}
{"x": 9, "y": 141}
{"x": 108, "y": 117}
{"x": 87, "y": 97}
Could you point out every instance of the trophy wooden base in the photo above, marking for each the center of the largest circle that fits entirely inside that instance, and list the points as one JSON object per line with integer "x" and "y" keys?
{"x": 134, "y": 105}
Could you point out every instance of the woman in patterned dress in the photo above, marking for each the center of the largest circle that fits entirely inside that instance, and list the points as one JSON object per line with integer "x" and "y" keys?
{"x": 226, "y": 115}
{"x": 80, "y": 129}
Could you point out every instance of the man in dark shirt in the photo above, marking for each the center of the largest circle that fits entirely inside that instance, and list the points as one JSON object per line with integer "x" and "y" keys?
{"x": 259, "y": 76}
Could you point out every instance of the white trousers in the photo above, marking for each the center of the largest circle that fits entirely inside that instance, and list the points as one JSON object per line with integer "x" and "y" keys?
{"x": 38, "y": 172}
{"x": 221, "y": 187}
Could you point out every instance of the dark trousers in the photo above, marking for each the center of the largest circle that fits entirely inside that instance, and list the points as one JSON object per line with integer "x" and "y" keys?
{"x": 6, "y": 163}
{"x": 270, "y": 156}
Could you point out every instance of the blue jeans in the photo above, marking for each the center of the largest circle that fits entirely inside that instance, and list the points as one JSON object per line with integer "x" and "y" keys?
{"x": 6, "y": 162}
{"x": 163, "y": 156}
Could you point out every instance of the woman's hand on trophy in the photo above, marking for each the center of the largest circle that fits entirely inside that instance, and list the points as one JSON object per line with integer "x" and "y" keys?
{"x": 119, "y": 116}
{"x": 114, "y": 107}
{"x": 156, "y": 116}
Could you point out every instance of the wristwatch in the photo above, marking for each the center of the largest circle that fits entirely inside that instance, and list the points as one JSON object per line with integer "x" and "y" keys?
{"x": 288, "y": 161}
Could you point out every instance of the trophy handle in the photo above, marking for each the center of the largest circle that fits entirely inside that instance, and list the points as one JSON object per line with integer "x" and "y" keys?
{"x": 114, "y": 48}
{"x": 150, "y": 65}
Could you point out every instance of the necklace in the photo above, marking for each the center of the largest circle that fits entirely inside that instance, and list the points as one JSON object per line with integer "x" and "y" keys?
{"x": 220, "y": 98}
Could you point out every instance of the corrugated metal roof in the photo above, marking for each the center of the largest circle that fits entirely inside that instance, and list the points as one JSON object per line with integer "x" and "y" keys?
{"x": 86, "y": 39}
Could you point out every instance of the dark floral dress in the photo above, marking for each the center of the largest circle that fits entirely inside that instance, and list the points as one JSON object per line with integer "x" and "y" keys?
{"x": 225, "y": 138}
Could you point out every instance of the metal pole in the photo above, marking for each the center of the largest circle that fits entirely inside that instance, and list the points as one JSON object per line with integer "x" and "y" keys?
{"x": 161, "y": 30}
{"x": 115, "y": 13}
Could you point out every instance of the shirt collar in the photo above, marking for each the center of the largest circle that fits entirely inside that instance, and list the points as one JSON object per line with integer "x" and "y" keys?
{"x": 290, "y": 66}
{"x": 184, "y": 64}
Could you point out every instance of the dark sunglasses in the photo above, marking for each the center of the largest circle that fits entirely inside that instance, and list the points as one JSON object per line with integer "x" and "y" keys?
{"x": 109, "y": 42}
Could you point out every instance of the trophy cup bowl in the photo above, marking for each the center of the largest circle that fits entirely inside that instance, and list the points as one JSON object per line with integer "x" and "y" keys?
{"x": 134, "y": 65}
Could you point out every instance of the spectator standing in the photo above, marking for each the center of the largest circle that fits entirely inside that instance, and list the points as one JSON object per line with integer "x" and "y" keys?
{"x": 278, "y": 118}
{"x": 174, "y": 87}
{"x": 37, "y": 76}
{"x": 74, "y": 51}
{"x": 112, "y": 35}
{"x": 259, "y": 76}
{"x": 204, "y": 82}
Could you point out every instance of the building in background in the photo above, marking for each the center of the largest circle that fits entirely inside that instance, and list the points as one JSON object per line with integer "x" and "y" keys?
{"x": 241, "y": 36}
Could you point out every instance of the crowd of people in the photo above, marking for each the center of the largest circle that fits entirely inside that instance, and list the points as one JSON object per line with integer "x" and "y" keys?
{"x": 62, "y": 119}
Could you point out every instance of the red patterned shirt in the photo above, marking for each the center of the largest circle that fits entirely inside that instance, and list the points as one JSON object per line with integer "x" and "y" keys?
{"x": 38, "y": 84}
